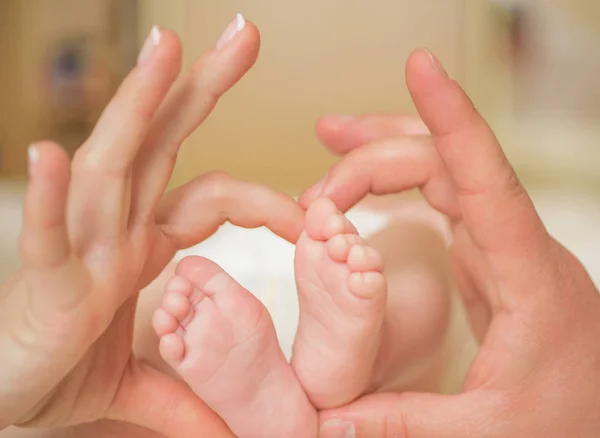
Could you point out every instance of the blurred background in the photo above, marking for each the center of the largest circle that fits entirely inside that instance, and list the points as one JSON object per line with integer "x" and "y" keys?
{"x": 531, "y": 66}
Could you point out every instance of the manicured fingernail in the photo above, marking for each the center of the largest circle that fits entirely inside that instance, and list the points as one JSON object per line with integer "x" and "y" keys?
{"x": 151, "y": 43}
{"x": 437, "y": 65}
{"x": 337, "y": 429}
{"x": 33, "y": 156}
{"x": 236, "y": 26}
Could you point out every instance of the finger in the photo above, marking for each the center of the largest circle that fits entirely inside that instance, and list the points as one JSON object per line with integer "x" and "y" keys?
{"x": 152, "y": 400}
{"x": 341, "y": 134}
{"x": 44, "y": 239}
{"x": 195, "y": 211}
{"x": 123, "y": 126}
{"x": 189, "y": 103}
{"x": 52, "y": 271}
{"x": 389, "y": 166}
{"x": 102, "y": 165}
{"x": 406, "y": 415}
{"x": 51, "y": 323}
{"x": 493, "y": 203}
{"x": 472, "y": 274}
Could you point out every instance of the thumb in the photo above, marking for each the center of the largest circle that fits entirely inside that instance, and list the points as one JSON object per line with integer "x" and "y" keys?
{"x": 150, "y": 399}
{"x": 403, "y": 416}
{"x": 494, "y": 205}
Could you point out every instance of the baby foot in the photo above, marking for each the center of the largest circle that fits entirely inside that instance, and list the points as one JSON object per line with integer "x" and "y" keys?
{"x": 221, "y": 341}
{"x": 342, "y": 294}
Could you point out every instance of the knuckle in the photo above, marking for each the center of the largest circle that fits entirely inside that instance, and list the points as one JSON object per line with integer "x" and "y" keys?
{"x": 218, "y": 177}
{"x": 86, "y": 164}
{"x": 216, "y": 186}
{"x": 218, "y": 183}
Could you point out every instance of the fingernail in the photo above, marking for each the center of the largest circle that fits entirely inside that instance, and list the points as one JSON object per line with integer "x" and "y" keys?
{"x": 344, "y": 118}
{"x": 235, "y": 27}
{"x": 337, "y": 429}
{"x": 316, "y": 190}
{"x": 437, "y": 65}
{"x": 151, "y": 43}
{"x": 33, "y": 156}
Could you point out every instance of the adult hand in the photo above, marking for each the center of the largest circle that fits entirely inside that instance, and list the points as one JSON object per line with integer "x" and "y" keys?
{"x": 95, "y": 234}
{"x": 531, "y": 303}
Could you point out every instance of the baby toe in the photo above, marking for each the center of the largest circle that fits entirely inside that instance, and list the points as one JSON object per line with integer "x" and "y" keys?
{"x": 164, "y": 323}
{"x": 363, "y": 258}
{"x": 338, "y": 247}
{"x": 172, "y": 349}
{"x": 177, "y": 305}
{"x": 367, "y": 285}
{"x": 323, "y": 221}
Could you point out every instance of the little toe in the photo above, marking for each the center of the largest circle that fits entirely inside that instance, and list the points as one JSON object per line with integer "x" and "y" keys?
{"x": 164, "y": 323}
{"x": 323, "y": 221}
{"x": 367, "y": 285}
{"x": 363, "y": 258}
{"x": 172, "y": 349}
{"x": 338, "y": 247}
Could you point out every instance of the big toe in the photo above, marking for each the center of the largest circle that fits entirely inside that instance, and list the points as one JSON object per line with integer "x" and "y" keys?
{"x": 199, "y": 271}
{"x": 323, "y": 221}
{"x": 233, "y": 301}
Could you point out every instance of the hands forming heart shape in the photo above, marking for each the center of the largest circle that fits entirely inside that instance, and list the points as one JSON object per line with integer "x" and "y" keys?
{"x": 98, "y": 230}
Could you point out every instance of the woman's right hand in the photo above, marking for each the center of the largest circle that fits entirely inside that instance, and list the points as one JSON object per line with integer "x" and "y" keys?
{"x": 97, "y": 231}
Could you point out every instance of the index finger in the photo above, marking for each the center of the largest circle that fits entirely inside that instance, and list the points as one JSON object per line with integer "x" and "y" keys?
{"x": 118, "y": 135}
{"x": 342, "y": 134}
{"x": 195, "y": 211}
{"x": 493, "y": 203}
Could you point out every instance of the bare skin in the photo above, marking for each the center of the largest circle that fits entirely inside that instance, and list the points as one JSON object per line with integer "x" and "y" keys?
{"x": 99, "y": 229}
{"x": 415, "y": 263}
{"x": 531, "y": 303}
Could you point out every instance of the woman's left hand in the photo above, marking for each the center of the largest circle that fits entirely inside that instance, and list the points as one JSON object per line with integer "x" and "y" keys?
{"x": 531, "y": 303}
{"x": 94, "y": 236}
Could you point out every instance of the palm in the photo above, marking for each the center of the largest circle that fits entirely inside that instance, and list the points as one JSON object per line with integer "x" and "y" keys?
{"x": 103, "y": 366}
{"x": 116, "y": 281}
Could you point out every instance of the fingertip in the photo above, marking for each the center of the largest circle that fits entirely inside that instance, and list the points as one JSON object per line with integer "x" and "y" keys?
{"x": 237, "y": 57}
{"x": 246, "y": 42}
{"x": 424, "y": 63}
{"x": 334, "y": 123}
{"x": 173, "y": 48}
{"x": 440, "y": 101}
{"x": 290, "y": 226}
{"x": 49, "y": 176}
{"x": 46, "y": 158}
{"x": 338, "y": 133}
{"x": 305, "y": 199}
{"x": 252, "y": 34}
{"x": 249, "y": 45}
{"x": 162, "y": 48}
{"x": 43, "y": 239}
